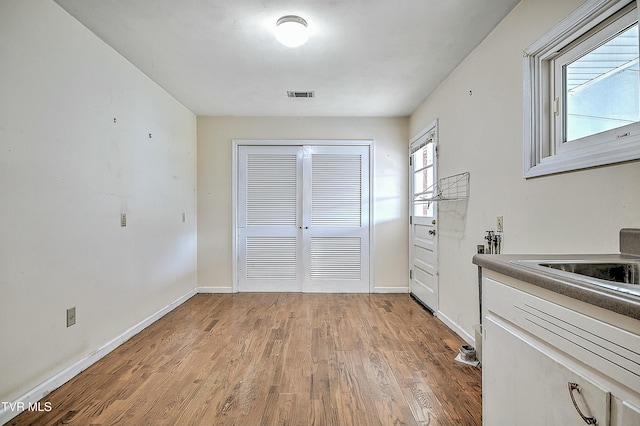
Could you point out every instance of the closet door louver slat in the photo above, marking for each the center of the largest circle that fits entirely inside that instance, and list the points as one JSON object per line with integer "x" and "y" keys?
{"x": 271, "y": 258}
{"x": 336, "y": 190}
{"x": 336, "y": 258}
{"x": 271, "y": 189}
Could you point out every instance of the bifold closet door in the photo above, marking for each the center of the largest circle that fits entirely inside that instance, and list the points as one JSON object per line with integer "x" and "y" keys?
{"x": 336, "y": 219}
{"x": 303, "y": 218}
{"x": 269, "y": 214}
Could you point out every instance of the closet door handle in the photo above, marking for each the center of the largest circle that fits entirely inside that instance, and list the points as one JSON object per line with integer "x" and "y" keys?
{"x": 432, "y": 232}
{"x": 587, "y": 420}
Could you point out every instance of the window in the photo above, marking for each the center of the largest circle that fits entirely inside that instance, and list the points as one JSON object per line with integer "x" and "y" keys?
{"x": 423, "y": 171}
{"x": 582, "y": 91}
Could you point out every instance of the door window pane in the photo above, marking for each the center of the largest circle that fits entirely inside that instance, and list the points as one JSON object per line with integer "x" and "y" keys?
{"x": 423, "y": 180}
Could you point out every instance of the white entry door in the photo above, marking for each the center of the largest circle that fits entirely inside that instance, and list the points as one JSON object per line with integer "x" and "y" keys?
{"x": 423, "y": 238}
{"x": 303, "y": 218}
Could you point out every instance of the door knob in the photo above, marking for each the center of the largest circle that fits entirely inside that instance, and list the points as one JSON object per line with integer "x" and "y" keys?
{"x": 432, "y": 232}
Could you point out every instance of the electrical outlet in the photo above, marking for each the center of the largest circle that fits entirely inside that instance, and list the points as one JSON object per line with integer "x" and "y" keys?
{"x": 500, "y": 225}
{"x": 71, "y": 316}
{"x": 123, "y": 219}
{"x": 184, "y": 217}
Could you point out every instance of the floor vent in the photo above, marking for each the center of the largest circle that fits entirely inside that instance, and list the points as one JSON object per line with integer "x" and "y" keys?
{"x": 292, "y": 94}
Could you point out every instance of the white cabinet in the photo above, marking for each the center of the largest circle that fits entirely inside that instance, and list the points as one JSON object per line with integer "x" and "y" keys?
{"x": 528, "y": 387}
{"x": 545, "y": 362}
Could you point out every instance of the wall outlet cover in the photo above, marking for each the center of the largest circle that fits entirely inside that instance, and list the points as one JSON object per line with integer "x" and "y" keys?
{"x": 71, "y": 316}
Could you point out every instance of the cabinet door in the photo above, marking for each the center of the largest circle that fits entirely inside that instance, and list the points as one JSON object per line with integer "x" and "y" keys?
{"x": 524, "y": 386}
{"x": 630, "y": 414}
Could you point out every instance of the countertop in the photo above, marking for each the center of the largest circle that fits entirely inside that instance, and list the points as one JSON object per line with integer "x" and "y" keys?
{"x": 563, "y": 283}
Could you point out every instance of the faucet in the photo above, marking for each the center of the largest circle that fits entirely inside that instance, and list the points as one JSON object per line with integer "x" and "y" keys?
{"x": 494, "y": 242}
{"x": 489, "y": 238}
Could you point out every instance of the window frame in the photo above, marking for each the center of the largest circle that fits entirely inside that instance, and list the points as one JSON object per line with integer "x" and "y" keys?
{"x": 543, "y": 154}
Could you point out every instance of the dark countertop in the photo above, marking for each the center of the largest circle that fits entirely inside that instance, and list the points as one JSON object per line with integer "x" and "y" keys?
{"x": 565, "y": 283}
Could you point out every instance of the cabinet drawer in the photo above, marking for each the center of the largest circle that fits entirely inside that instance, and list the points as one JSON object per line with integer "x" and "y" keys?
{"x": 607, "y": 348}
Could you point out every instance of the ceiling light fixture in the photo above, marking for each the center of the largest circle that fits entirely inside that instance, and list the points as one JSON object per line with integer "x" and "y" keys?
{"x": 292, "y": 31}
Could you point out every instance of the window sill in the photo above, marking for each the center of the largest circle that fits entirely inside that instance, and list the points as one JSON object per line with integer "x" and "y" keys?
{"x": 599, "y": 155}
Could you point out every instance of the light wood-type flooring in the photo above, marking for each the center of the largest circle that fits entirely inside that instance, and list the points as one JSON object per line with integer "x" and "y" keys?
{"x": 278, "y": 359}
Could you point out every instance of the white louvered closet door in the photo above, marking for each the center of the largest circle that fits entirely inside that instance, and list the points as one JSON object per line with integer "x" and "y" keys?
{"x": 269, "y": 214}
{"x": 336, "y": 219}
{"x": 303, "y": 218}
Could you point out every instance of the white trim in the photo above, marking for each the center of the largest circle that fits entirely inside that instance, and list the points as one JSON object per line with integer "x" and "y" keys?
{"x": 456, "y": 328}
{"x": 45, "y": 388}
{"x": 302, "y": 142}
{"x": 390, "y": 290}
{"x": 587, "y": 158}
{"x": 236, "y": 143}
{"x": 422, "y": 133}
{"x": 214, "y": 290}
{"x": 372, "y": 218}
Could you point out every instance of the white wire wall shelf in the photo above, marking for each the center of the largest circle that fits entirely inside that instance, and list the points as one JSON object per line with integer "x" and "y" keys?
{"x": 450, "y": 188}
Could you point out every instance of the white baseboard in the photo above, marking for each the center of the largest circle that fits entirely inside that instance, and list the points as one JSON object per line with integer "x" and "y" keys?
{"x": 391, "y": 290}
{"x": 229, "y": 289}
{"x": 9, "y": 410}
{"x": 214, "y": 289}
{"x": 456, "y": 328}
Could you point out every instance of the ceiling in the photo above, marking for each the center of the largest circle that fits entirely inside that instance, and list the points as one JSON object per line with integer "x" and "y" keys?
{"x": 364, "y": 58}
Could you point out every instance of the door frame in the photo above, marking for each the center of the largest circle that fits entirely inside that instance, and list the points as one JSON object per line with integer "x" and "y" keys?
{"x": 237, "y": 143}
{"x": 431, "y": 128}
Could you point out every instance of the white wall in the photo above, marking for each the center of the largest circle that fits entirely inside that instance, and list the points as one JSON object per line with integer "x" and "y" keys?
{"x": 215, "y": 135}
{"x": 66, "y": 172}
{"x": 579, "y": 212}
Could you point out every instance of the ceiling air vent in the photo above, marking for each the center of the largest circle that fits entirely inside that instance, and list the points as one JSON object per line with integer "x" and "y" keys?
{"x": 292, "y": 94}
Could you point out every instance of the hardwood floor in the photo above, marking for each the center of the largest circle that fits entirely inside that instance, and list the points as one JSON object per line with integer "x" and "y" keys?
{"x": 278, "y": 359}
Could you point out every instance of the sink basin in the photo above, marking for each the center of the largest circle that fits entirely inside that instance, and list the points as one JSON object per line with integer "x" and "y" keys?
{"x": 619, "y": 275}
{"x": 626, "y": 273}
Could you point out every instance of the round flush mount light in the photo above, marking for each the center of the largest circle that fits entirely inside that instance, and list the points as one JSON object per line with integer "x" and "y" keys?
{"x": 292, "y": 31}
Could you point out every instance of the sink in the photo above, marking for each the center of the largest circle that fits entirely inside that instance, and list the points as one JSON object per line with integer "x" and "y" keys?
{"x": 618, "y": 275}
{"x": 626, "y": 273}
